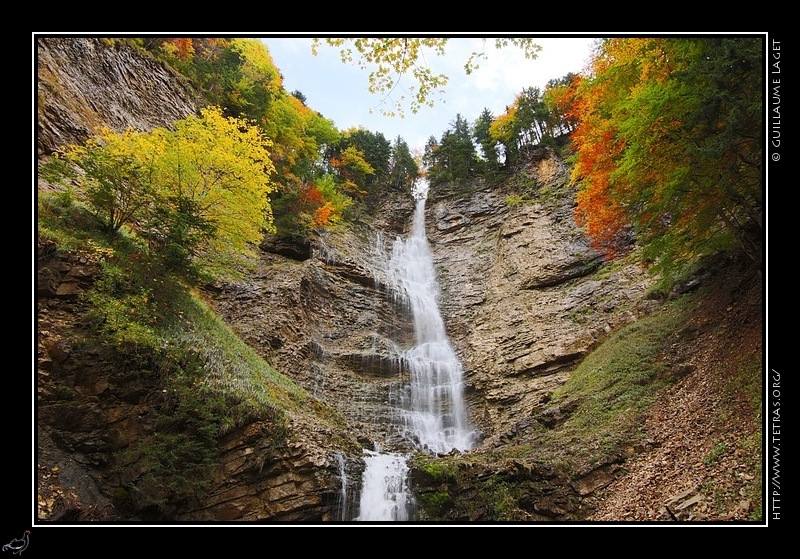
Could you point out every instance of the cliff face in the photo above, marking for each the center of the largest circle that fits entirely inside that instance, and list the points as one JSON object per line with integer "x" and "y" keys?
{"x": 523, "y": 295}
{"x": 327, "y": 322}
{"x": 519, "y": 297}
{"x": 84, "y": 85}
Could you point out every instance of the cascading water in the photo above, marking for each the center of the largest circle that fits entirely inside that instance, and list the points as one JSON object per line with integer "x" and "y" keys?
{"x": 385, "y": 493}
{"x": 343, "y": 504}
{"x": 430, "y": 410}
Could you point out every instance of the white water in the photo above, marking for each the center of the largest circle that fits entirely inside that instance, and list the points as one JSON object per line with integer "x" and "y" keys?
{"x": 430, "y": 408}
{"x": 343, "y": 507}
{"x": 385, "y": 495}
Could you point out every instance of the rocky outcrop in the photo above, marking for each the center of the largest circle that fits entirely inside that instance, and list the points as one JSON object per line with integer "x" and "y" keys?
{"x": 91, "y": 412}
{"x": 86, "y": 84}
{"x": 524, "y": 295}
{"x": 327, "y": 321}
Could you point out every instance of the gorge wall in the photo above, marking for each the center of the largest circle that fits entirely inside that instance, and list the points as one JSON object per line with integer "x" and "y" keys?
{"x": 523, "y": 295}
{"x": 86, "y": 84}
{"x": 518, "y": 296}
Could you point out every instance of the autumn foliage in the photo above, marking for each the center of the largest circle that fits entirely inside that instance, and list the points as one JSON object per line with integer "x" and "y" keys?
{"x": 667, "y": 148}
{"x": 198, "y": 194}
{"x": 597, "y": 147}
{"x": 318, "y": 204}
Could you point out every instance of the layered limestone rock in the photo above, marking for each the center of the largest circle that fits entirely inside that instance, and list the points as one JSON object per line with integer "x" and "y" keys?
{"x": 86, "y": 84}
{"x": 328, "y": 321}
{"x": 524, "y": 295}
{"x": 91, "y": 412}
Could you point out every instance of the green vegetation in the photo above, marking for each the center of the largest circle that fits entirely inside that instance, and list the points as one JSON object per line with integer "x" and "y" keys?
{"x": 613, "y": 386}
{"x": 239, "y": 76}
{"x": 437, "y": 470}
{"x": 198, "y": 195}
{"x": 321, "y": 175}
{"x": 205, "y": 380}
{"x": 719, "y": 449}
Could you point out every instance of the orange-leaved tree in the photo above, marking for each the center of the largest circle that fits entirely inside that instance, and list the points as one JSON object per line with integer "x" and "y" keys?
{"x": 320, "y": 203}
{"x": 668, "y": 146}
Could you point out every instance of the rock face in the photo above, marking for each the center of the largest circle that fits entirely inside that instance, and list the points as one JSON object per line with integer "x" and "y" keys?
{"x": 85, "y": 84}
{"x": 91, "y": 411}
{"x": 523, "y": 295}
{"x": 327, "y": 321}
{"x": 520, "y": 292}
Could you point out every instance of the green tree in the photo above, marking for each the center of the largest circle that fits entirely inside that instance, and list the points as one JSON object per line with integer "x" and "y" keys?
{"x": 488, "y": 145}
{"x": 353, "y": 170}
{"x": 531, "y": 122}
{"x": 430, "y": 159}
{"x": 115, "y": 174}
{"x": 404, "y": 170}
{"x": 454, "y": 157}
{"x": 299, "y": 138}
{"x": 375, "y": 150}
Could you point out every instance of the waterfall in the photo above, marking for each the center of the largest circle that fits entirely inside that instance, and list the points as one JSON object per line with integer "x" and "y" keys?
{"x": 385, "y": 493}
{"x": 343, "y": 503}
{"x": 430, "y": 411}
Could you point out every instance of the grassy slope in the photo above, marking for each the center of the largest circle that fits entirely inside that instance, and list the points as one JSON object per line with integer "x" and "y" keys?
{"x": 206, "y": 380}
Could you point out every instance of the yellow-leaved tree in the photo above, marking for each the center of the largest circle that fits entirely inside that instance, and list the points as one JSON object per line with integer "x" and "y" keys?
{"x": 199, "y": 194}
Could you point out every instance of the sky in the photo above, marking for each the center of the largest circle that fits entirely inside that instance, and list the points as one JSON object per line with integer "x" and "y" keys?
{"x": 339, "y": 91}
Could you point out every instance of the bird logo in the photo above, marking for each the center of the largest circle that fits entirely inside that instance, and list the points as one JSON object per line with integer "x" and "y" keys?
{"x": 18, "y": 545}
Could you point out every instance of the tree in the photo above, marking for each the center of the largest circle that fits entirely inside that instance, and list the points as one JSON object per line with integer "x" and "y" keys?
{"x": 430, "y": 158}
{"x": 488, "y": 145}
{"x": 376, "y": 152}
{"x": 503, "y": 130}
{"x": 670, "y": 145}
{"x": 115, "y": 174}
{"x": 321, "y": 204}
{"x": 454, "y": 157}
{"x": 559, "y": 96}
{"x": 392, "y": 58}
{"x": 531, "y": 123}
{"x": 239, "y": 75}
{"x": 198, "y": 194}
{"x": 299, "y": 137}
{"x": 353, "y": 170}
{"x": 404, "y": 170}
